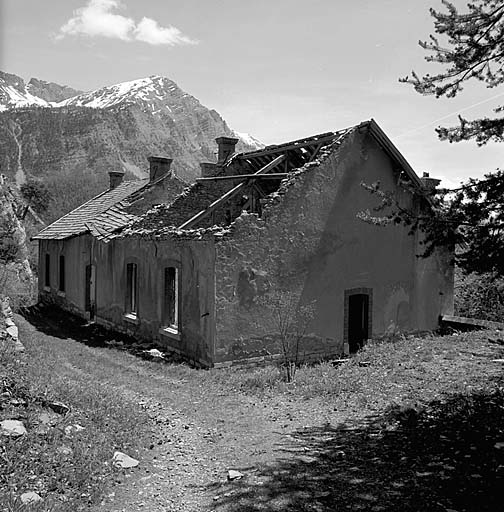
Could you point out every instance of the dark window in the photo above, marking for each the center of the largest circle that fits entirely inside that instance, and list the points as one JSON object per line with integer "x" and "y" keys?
{"x": 131, "y": 288}
{"x": 170, "y": 298}
{"x": 62, "y": 273}
{"x": 47, "y": 271}
{"x": 90, "y": 293}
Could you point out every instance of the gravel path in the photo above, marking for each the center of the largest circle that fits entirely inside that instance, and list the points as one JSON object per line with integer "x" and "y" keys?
{"x": 197, "y": 436}
{"x": 317, "y": 454}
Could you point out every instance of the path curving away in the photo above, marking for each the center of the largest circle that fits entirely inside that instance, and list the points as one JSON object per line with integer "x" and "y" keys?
{"x": 440, "y": 446}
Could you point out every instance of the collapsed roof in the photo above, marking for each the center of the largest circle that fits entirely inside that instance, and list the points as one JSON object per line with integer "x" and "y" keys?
{"x": 240, "y": 183}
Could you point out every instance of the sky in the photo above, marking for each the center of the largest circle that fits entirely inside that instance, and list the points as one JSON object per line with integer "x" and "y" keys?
{"x": 277, "y": 69}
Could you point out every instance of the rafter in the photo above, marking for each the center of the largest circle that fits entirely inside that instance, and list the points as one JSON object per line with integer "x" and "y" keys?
{"x": 297, "y": 144}
{"x": 229, "y": 194}
{"x": 315, "y": 152}
{"x": 270, "y": 176}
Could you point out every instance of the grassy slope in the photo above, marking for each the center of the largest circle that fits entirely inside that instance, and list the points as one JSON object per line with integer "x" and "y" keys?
{"x": 409, "y": 425}
{"x": 69, "y": 469}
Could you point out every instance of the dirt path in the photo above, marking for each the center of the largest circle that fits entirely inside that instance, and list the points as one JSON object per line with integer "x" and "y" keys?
{"x": 301, "y": 454}
{"x": 197, "y": 436}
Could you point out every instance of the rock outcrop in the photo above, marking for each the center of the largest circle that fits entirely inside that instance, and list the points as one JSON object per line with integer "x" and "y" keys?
{"x": 72, "y": 144}
{"x": 16, "y": 277}
{"x": 49, "y": 91}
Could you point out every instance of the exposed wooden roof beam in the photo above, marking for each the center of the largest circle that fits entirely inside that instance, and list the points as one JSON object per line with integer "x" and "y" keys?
{"x": 228, "y": 195}
{"x": 313, "y": 141}
{"x": 315, "y": 152}
{"x": 270, "y": 176}
{"x": 260, "y": 192}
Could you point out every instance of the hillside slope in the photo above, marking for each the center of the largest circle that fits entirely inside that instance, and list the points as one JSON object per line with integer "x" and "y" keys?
{"x": 16, "y": 277}
{"x": 72, "y": 144}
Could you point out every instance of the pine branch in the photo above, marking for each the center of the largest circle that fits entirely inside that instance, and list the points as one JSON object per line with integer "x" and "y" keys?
{"x": 474, "y": 50}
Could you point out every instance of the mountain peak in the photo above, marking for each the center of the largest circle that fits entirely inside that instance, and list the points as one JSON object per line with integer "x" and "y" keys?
{"x": 14, "y": 93}
{"x": 50, "y": 91}
{"x": 149, "y": 90}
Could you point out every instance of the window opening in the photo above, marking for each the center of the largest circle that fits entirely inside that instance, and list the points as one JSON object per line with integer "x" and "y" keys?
{"x": 90, "y": 298}
{"x": 47, "y": 271}
{"x": 62, "y": 273}
{"x": 171, "y": 298}
{"x": 131, "y": 288}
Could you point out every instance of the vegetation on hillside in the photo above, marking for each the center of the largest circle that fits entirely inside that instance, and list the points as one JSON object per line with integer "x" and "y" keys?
{"x": 16, "y": 278}
{"x": 65, "y": 457}
{"x": 36, "y": 195}
{"x": 479, "y": 296}
{"x": 407, "y": 424}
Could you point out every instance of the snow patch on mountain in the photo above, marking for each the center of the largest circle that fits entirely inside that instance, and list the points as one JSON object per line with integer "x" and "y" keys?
{"x": 248, "y": 139}
{"x": 149, "y": 90}
{"x": 18, "y": 97}
{"x": 24, "y": 99}
{"x": 155, "y": 95}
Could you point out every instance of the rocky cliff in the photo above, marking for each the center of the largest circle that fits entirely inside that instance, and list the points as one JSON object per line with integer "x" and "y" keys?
{"x": 72, "y": 143}
{"x": 16, "y": 277}
{"x": 49, "y": 91}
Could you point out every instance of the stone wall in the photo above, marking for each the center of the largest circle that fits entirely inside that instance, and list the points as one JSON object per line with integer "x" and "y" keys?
{"x": 8, "y": 330}
{"x": 310, "y": 246}
{"x": 78, "y": 252}
{"x": 193, "y": 258}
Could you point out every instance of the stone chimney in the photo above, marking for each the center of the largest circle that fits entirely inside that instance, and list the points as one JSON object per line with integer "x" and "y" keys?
{"x": 159, "y": 167}
{"x": 208, "y": 169}
{"x": 115, "y": 178}
{"x": 226, "y": 148}
{"x": 429, "y": 183}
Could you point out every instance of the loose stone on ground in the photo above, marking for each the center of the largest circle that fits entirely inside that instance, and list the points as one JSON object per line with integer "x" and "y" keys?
{"x": 12, "y": 428}
{"x": 30, "y": 497}
{"x": 121, "y": 460}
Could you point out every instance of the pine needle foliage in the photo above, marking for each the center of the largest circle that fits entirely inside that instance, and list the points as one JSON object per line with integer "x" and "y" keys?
{"x": 469, "y": 218}
{"x": 474, "y": 50}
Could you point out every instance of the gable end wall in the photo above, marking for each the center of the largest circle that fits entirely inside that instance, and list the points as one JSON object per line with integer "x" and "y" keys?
{"x": 310, "y": 247}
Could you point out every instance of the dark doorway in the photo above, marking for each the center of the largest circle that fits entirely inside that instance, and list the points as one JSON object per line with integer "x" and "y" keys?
{"x": 358, "y": 321}
{"x": 91, "y": 291}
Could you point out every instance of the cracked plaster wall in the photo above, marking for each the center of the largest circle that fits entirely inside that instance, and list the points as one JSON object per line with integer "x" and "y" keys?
{"x": 194, "y": 259}
{"x": 310, "y": 244}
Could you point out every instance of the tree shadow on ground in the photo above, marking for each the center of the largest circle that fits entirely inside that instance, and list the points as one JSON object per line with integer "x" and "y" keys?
{"x": 443, "y": 457}
{"x": 58, "y": 323}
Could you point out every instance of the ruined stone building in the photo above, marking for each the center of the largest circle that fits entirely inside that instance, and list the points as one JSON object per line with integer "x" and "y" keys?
{"x": 200, "y": 269}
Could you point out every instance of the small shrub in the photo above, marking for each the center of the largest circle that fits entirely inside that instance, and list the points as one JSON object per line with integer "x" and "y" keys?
{"x": 21, "y": 291}
{"x": 479, "y": 296}
{"x": 290, "y": 319}
{"x": 261, "y": 379}
{"x": 9, "y": 246}
{"x": 36, "y": 194}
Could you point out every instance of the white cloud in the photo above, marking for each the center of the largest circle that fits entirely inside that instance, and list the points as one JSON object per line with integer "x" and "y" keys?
{"x": 98, "y": 19}
{"x": 150, "y": 32}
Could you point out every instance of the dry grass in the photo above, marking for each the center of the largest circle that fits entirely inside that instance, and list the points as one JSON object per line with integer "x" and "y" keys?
{"x": 405, "y": 382}
{"x": 404, "y": 369}
{"x": 71, "y": 470}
